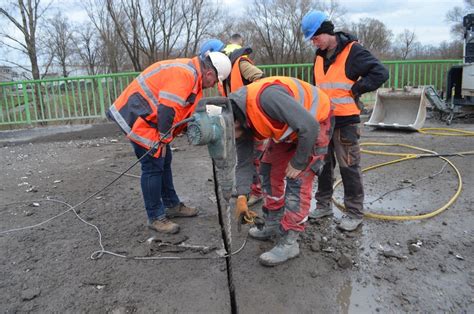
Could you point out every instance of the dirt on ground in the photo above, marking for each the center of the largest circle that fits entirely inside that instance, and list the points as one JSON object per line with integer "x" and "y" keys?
{"x": 384, "y": 266}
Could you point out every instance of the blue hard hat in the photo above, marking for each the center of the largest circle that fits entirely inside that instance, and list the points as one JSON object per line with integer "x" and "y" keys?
{"x": 311, "y": 22}
{"x": 211, "y": 45}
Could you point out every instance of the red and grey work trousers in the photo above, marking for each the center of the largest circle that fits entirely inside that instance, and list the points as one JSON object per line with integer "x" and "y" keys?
{"x": 291, "y": 196}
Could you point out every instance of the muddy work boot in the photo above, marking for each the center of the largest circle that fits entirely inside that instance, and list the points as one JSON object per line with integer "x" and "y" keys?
{"x": 269, "y": 230}
{"x": 181, "y": 210}
{"x": 349, "y": 223}
{"x": 320, "y": 212}
{"x": 316, "y": 213}
{"x": 271, "y": 227}
{"x": 286, "y": 248}
{"x": 164, "y": 226}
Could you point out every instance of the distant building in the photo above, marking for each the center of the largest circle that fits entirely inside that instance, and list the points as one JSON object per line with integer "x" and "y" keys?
{"x": 7, "y": 74}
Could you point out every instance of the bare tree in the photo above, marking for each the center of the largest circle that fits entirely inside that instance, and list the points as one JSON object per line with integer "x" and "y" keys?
{"x": 24, "y": 16}
{"x": 113, "y": 57}
{"x": 373, "y": 35}
{"x": 274, "y": 27}
{"x": 455, "y": 17}
{"x": 405, "y": 43}
{"x": 200, "y": 19}
{"x": 171, "y": 23}
{"x": 151, "y": 41}
{"x": 125, "y": 15}
{"x": 60, "y": 41}
{"x": 88, "y": 47}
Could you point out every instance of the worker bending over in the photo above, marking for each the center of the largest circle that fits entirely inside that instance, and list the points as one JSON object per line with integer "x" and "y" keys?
{"x": 296, "y": 116}
{"x": 164, "y": 94}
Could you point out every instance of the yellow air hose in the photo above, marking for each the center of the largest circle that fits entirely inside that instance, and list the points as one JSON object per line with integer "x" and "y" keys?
{"x": 408, "y": 156}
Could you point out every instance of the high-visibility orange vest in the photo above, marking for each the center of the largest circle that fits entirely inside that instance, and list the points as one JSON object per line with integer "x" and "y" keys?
{"x": 173, "y": 83}
{"x": 310, "y": 97}
{"x": 235, "y": 78}
{"x": 336, "y": 84}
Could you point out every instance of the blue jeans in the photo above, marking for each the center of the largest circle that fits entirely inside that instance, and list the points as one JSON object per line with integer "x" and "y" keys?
{"x": 157, "y": 183}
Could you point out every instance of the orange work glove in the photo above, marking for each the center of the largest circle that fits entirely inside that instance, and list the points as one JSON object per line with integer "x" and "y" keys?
{"x": 242, "y": 210}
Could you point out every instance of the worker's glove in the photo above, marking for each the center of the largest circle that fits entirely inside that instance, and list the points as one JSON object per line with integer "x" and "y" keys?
{"x": 242, "y": 211}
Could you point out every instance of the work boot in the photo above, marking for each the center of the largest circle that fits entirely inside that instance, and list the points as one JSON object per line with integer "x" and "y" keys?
{"x": 164, "y": 226}
{"x": 181, "y": 210}
{"x": 271, "y": 227}
{"x": 269, "y": 230}
{"x": 286, "y": 248}
{"x": 349, "y": 223}
{"x": 320, "y": 212}
{"x": 253, "y": 199}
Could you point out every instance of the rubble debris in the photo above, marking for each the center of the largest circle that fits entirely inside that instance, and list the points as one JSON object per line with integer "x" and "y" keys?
{"x": 329, "y": 249}
{"x": 344, "y": 261}
{"x": 389, "y": 253}
{"x": 32, "y": 189}
{"x": 30, "y": 293}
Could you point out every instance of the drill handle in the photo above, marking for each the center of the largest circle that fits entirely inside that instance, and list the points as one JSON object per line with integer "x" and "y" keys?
{"x": 216, "y": 101}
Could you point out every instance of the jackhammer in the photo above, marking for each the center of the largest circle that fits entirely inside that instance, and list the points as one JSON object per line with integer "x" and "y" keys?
{"x": 213, "y": 125}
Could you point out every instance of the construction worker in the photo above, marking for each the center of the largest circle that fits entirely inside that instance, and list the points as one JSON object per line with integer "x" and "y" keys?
{"x": 210, "y": 45}
{"x": 163, "y": 95}
{"x": 344, "y": 70}
{"x": 236, "y": 41}
{"x": 296, "y": 117}
{"x": 243, "y": 73}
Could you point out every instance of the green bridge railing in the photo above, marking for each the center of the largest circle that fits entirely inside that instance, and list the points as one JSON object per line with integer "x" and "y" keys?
{"x": 88, "y": 97}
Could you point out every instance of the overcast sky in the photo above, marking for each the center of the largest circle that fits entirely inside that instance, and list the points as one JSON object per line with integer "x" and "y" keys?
{"x": 426, "y": 17}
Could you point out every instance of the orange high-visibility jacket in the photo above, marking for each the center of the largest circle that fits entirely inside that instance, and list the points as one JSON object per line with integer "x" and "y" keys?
{"x": 176, "y": 84}
{"x": 336, "y": 84}
{"x": 235, "y": 79}
{"x": 310, "y": 97}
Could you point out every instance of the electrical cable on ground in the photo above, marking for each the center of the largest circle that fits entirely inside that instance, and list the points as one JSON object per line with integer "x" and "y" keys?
{"x": 98, "y": 254}
{"x": 445, "y": 132}
{"x": 408, "y": 156}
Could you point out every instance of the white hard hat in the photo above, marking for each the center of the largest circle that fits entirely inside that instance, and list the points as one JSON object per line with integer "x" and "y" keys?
{"x": 221, "y": 63}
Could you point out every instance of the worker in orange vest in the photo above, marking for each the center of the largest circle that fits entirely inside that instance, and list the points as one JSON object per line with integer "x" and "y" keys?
{"x": 243, "y": 73}
{"x": 147, "y": 111}
{"x": 296, "y": 118}
{"x": 344, "y": 70}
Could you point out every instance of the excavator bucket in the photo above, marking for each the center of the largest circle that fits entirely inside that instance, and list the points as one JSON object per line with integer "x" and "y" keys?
{"x": 399, "y": 108}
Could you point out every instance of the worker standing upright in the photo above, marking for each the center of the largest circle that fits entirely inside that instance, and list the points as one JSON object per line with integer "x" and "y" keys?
{"x": 345, "y": 70}
{"x": 296, "y": 118}
{"x": 243, "y": 73}
{"x": 163, "y": 95}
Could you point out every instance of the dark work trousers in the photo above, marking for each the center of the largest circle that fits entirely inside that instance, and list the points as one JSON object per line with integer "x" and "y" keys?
{"x": 156, "y": 183}
{"x": 343, "y": 148}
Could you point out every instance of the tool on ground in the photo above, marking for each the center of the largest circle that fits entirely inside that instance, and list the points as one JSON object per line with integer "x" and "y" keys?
{"x": 405, "y": 108}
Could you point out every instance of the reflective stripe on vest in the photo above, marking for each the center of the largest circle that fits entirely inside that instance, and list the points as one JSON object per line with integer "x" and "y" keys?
{"x": 175, "y": 98}
{"x": 264, "y": 126}
{"x": 123, "y": 124}
{"x": 336, "y": 84}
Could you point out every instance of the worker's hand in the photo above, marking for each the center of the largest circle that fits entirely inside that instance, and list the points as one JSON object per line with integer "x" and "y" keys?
{"x": 291, "y": 172}
{"x": 163, "y": 151}
{"x": 242, "y": 209}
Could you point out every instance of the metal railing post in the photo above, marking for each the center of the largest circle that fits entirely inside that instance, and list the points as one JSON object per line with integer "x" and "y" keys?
{"x": 27, "y": 104}
{"x": 100, "y": 90}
